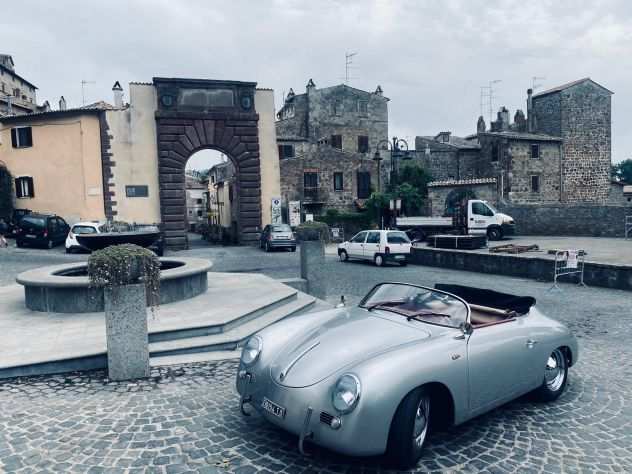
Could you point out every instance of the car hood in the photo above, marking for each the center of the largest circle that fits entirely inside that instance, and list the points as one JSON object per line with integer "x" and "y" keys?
{"x": 344, "y": 341}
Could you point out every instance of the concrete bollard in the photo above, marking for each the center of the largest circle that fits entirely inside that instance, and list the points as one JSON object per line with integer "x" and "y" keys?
{"x": 126, "y": 331}
{"x": 312, "y": 267}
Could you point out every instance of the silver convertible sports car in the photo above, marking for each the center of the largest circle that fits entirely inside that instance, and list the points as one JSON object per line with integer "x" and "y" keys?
{"x": 375, "y": 378}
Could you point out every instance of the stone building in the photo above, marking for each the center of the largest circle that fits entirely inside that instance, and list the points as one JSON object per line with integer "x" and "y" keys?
{"x": 196, "y": 195}
{"x": 17, "y": 95}
{"x": 559, "y": 152}
{"x": 326, "y": 139}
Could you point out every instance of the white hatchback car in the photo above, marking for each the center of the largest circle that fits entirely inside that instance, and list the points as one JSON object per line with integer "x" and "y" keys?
{"x": 380, "y": 246}
{"x": 89, "y": 227}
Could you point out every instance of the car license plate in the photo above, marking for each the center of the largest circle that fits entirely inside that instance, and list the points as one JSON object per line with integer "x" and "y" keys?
{"x": 273, "y": 408}
{"x": 30, "y": 236}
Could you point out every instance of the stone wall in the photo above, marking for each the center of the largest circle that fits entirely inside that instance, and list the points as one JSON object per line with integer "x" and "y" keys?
{"x": 325, "y": 160}
{"x": 586, "y": 132}
{"x": 567, "y": 219}
{"x": 548, "y": 114}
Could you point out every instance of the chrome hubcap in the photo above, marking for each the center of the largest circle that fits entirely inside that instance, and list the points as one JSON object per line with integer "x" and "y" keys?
{"x": 555, "y": 370}
{"x": 421, "y": 422}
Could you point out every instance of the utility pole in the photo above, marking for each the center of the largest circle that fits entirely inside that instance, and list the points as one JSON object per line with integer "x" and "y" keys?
{"x": 83, "y": 90}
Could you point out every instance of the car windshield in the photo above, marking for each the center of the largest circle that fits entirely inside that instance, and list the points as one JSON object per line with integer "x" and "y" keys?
{"x": 414, "y": 302}
{"x": 281, "y": 228}
{"x": 83, "y": 229}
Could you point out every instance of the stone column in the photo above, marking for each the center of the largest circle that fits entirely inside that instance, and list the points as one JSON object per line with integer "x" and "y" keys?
{"x": 126, "y": 330}
{"x": 312, "y": 267}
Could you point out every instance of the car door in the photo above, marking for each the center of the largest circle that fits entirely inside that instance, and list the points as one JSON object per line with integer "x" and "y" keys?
{"x": 62, "y": 230}
{"x": 355, "y": 248}
{"x": 480, "y": 216}
{"x": 498, "y": 358}
{"x": 372, "y": 244}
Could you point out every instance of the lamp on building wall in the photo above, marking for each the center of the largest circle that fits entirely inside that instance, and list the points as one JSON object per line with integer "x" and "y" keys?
{"x": 396, "y": 146}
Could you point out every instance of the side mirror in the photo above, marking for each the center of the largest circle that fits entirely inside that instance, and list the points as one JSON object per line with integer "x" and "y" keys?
{"x": 466, "y": 328}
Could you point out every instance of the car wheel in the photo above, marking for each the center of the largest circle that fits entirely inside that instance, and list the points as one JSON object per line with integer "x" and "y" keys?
{"x": 19, "y": 243}
{"x": 343, "y": 256}
{"x": 378, "y": 260}
{"x": 69, "y": 250}
{"x": 293, "y": 249}
{"x": 494, "y": 233}
{"x": 49, "y": 244}
{"x": 555, "y": 377}
{"x": 409, "y": 429}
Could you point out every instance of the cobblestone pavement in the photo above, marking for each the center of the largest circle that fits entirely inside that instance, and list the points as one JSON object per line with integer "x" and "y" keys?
{"x": 186, "y": 419}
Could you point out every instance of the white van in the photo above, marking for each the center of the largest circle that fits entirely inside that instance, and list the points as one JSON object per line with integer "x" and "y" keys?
{"x": 380, "y": 246}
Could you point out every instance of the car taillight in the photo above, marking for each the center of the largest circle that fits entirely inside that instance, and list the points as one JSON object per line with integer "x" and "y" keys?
{"x": 45, "y": 233}
{"x": 387, "y": 250}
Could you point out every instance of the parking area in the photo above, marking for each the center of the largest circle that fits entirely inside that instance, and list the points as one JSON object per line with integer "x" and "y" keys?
{"x": 187, "y": 419}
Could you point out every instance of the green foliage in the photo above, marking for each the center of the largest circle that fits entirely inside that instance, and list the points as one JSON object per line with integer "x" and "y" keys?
{"x": 411, "y": 186}
{"x": 126, "y": 264}
{"x": 376, "y": 205}
{"x": 416, "y": 176}
{"x": 350, "y": 222}
{"x": 312, "y": 231}
{"x": 6, "y": 194}
{"x": 622, "y": 171}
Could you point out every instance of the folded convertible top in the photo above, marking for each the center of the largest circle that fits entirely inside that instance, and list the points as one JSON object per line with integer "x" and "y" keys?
{"x": 491, "y": 298}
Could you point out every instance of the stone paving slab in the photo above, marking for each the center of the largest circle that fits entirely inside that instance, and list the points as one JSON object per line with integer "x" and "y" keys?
{"x": 28, "y": 337}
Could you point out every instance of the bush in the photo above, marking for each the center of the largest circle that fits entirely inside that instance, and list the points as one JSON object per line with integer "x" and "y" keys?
{"x": 312, "y": 231}
{"x": 125, "y": 264}
{"x": 350, "y": 222}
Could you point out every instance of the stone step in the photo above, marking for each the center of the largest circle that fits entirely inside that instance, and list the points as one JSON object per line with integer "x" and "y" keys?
{"x": 194, "y": 357}
{"x": 276, "y": 300}
{"x": 230, "y": 340}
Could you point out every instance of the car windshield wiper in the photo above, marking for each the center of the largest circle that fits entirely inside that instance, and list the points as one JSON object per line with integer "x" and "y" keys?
{"x": 384, "y": 305}
{"x": 426, "y": 313}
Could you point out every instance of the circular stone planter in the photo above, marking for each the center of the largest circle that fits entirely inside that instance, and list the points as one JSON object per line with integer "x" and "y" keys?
{"x": 66, "y": 288}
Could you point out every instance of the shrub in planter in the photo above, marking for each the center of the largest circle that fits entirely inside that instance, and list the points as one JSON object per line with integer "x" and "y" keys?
{"x": 312, "y": 231}
{"x": 126, "y": 264}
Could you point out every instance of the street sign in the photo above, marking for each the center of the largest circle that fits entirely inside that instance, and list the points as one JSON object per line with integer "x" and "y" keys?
{"x": 309, "y": 217}
{"x": 294, "y": 208}
{"x": 277, "y": 217}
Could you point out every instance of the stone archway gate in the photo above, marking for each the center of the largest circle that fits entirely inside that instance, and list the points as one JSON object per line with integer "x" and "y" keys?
{"x": 195, "y": 114}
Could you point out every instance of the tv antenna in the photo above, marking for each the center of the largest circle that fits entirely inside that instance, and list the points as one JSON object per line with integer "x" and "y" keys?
{"x": 83, "y": 90}
{"x": 534, "y": 82}
{"x": 487, "y": 98}
{"x": 348, "y": 65}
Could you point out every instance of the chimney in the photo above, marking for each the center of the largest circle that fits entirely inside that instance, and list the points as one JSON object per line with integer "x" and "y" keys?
{"x": 520, "y": 122}
{"x": 62, "y": 103}
{"x": 503, "y": 118}
{"x": 480, "y": 125}
{"x": 530, "y": 116}
{"x": 310, "y": 86}
{"x": 118, "y": 95}
{"x": 379, "y": 91}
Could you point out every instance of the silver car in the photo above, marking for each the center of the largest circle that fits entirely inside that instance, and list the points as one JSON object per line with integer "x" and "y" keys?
{"x": 375, "y": 378}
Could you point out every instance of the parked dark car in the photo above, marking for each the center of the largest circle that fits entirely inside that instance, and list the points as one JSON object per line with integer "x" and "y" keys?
{"x": 158, "y": 247}
{"x": 45, "y": 230}
{"x": 16, "y": 216}
{"x": 276, "y": 236}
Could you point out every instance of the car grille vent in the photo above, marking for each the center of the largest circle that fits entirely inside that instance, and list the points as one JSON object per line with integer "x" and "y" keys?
{"x": 326, "y": 418}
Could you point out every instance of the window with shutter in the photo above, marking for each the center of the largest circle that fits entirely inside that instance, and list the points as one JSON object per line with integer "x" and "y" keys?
{"x": 310, "y": 180}
{"x": 21, "y": 137}
{"x": 24, "y": 187}
{"x": 364, "y": 184}
{"x": 336, "y": 141}
{"x": 338, "y": 182}
{"x": 363, "y": 144}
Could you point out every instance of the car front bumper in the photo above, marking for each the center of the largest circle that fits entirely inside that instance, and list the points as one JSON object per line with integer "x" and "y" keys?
{"x": 306, "y": 411}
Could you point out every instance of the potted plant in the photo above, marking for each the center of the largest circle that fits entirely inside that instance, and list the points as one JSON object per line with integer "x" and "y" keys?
{"x": 130, "y": 278}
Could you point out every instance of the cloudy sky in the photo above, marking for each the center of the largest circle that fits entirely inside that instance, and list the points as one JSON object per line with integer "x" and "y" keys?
{"x": 430, "y": 57}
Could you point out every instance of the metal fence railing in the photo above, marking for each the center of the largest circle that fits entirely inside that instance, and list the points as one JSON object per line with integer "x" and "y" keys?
{"x": 569, "y": 262}
{"x": 628, "y": 227}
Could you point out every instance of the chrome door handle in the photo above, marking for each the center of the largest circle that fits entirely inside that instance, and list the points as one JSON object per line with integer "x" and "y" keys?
{"x": 531, "y": 343}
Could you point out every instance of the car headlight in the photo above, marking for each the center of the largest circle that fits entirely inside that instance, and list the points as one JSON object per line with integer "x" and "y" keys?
{"x": 346, "y": 393}
{"x": 251, "y": 351}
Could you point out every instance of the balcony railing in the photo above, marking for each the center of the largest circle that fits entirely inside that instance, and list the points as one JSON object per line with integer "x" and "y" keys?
{"x": 315, "y": 195}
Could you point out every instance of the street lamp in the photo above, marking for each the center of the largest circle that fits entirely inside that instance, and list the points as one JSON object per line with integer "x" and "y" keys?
{"x": 395, "y": 145}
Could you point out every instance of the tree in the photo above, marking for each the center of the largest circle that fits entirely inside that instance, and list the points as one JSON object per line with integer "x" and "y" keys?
{"x": 410, "y": 184}
{"x": 6, "y": 194}
{"x": 622, "y": 171}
